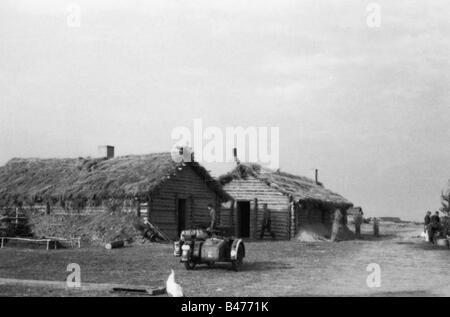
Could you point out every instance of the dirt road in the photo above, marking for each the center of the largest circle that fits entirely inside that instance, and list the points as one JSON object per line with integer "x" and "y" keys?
{"x": 408, "y": 266}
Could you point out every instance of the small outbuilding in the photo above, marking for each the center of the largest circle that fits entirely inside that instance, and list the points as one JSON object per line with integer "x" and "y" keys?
{"x": 354, "y": 212}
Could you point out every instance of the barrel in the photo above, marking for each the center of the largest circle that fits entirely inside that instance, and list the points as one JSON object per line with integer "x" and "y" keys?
{"x": 115, "y": 244}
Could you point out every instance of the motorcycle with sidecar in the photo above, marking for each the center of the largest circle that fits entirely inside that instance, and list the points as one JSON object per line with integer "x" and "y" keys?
{"x": 199, "y": 246}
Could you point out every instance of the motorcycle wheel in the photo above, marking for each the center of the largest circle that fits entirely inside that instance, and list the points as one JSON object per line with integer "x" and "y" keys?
{"x": 189, "y": 265}
{"x": 237, "y": 264}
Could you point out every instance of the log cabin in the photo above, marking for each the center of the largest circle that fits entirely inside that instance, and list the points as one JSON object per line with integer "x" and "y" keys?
{"x": 294, "y": 202}
{"x": 174, "y": 195}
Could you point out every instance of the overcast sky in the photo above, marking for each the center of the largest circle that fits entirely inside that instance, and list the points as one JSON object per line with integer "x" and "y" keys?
{"x": 368, "y": 107}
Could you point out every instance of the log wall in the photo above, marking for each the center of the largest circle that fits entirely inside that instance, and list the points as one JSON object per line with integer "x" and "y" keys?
{"x": 185, "y": 185}
{"x": 249, "y": 190}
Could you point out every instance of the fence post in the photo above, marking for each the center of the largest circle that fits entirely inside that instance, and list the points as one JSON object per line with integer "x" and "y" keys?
{"x": 138, "y": 209}
{"x": 17, "y": 217}
{"x": 292, "y": 227}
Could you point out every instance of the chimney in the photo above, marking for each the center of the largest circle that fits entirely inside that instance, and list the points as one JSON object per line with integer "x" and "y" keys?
{"x": 187, "y": 154}
{"x": 317, "y": 176}
{"x": 236, "y": 160}
{"x": 106, "y": 151}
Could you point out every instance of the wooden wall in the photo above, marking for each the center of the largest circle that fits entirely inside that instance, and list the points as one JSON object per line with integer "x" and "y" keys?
{"x": 57, "y": 209}
{"x": 126, "y": 206}
{"x": 310, "y": 213}
{"x": 249, "y": 190}
{"x": 279, "y": 204}
{"x": 185, "y": 185}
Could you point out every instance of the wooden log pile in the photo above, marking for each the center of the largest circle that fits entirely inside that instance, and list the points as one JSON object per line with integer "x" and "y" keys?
{"x": 115, "y": 245}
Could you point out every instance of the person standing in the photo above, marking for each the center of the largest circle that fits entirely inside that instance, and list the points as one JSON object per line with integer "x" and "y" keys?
{"x": 376, "y": 227}
{"x": 426, "y": 225}
{"x": 435, "y": 219}
{"x": 266, "y": 223}
{"x": 358, "y": 219}
{"x": 212, "y": 216}
{"x": 427, "y": 219}
{"x": 434, "y": 226}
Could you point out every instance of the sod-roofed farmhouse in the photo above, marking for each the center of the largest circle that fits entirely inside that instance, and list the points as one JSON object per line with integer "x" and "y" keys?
{"x": 174, "y": 195}
{"x": 295, "y": 202}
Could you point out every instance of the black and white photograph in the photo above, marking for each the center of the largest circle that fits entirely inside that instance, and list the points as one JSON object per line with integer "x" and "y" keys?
{"x": 224, "y": 149}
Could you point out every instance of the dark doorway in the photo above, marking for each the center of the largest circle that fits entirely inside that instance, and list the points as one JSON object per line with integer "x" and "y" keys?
{"x": 181, "y": 215}
{"x": 323, "y": 216}
{"x": 243, "y": 219}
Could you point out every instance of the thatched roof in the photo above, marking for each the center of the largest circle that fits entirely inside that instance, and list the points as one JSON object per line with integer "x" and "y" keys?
{"x": 299, "y": 188}
{"x": 87, "y": 178}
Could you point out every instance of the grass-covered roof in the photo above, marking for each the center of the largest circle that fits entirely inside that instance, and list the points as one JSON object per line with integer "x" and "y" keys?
{"x": 92, "y": 178}
{"x": 300, "y": 188}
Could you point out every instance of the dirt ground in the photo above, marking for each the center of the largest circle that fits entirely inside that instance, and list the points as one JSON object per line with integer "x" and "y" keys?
{"x": 409, "y": 267}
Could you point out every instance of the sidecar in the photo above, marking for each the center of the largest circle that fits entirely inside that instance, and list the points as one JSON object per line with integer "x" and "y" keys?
{"x": 199, "y": 247}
